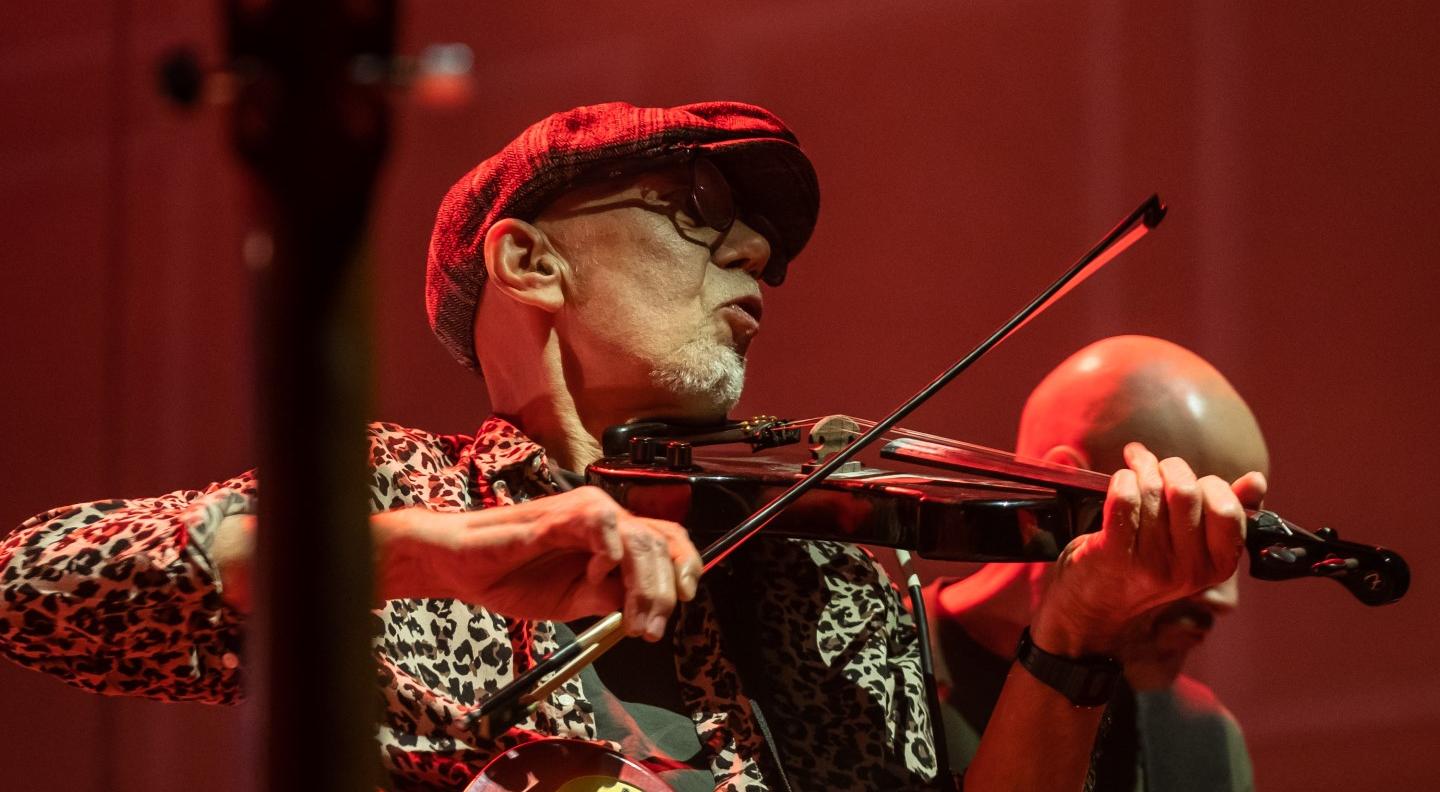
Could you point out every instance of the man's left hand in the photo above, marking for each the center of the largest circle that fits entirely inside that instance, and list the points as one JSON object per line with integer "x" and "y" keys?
{"x": 1166, "y": 535}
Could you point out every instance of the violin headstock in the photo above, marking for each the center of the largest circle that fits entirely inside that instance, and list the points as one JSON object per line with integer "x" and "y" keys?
{"x": 1281, "y": 550}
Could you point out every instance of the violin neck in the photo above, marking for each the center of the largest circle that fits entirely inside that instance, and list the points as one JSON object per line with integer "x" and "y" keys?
{"x": 1278, "y": 549}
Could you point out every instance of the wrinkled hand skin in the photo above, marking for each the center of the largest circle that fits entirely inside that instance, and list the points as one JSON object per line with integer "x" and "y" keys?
{"x": 561, "y": 557}
{"x": 1165, "y": 535}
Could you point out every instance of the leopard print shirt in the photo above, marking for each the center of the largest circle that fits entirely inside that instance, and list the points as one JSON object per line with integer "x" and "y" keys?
{"x": 122, "y": 597}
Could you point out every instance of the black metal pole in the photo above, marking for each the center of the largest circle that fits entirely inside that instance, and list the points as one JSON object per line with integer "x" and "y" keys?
{"x": 314, "y": 136}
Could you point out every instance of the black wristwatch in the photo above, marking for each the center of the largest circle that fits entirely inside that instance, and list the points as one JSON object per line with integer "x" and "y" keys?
{"x": 1088, "y": 681}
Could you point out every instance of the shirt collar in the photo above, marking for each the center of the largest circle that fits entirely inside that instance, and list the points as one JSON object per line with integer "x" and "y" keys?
{"x": 500, "y": 451}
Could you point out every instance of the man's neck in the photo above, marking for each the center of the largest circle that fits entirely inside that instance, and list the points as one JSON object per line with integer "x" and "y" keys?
{"x": 569, "y": 430}
{"x": 565, "y": 419}
{"x": 556, "y": 426}
{"x": 1153, "y": 674}
{"x": 527, "y": 386}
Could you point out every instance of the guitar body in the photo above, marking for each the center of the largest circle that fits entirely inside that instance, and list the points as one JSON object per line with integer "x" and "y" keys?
{"x": 561, "y": 765}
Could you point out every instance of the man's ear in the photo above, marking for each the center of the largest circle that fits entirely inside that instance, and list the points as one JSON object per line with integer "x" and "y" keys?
{"x": 522, "y": 263}
{"x": 1067, "y": 455}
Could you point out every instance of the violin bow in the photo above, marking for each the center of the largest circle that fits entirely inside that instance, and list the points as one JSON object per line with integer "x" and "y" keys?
{"x": 512, "y": 702}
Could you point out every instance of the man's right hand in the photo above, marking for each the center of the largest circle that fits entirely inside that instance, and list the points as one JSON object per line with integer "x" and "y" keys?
{"x": 561, "y": 557}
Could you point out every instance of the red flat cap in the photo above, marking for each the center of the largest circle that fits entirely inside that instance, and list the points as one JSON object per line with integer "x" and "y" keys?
{"x": 759, "y": 155}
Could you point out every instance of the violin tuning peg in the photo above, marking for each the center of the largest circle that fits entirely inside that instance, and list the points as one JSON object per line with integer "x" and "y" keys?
{"x": 1278, "y": 555}
{"x": 1334, "y": 567}
{"x": 1328, "y": 534}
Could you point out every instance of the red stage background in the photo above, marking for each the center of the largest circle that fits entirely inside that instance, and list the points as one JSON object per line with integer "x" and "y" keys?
{"x": 966, "y": 151}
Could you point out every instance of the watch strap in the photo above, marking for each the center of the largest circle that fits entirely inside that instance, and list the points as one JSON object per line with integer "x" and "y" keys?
{"x": 1087, "y": 681}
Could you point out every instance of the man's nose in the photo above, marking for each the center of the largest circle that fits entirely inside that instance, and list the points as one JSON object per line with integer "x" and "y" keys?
{"x": 1223, "y": 597}
{"x": 743, "y": 247}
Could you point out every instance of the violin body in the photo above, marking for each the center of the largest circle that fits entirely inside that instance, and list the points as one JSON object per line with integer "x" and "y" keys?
{"x": 941, "y": 517}
{"x": 990, "y": 505}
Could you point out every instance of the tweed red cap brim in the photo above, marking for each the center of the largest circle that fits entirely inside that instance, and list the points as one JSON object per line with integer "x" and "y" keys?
{"x": 759, "y": 156}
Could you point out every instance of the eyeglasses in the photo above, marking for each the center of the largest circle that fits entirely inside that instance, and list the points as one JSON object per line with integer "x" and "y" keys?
{"x": 710, "y": 202}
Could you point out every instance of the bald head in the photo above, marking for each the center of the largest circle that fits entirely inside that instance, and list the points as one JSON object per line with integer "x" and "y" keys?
{"x": 1131, "y": 388}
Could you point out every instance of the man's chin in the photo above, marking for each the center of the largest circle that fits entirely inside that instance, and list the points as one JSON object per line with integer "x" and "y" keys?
{"x": 698, "y": 414}
{"x": 1180, "y": 637}
{"x": 703, "y": 379}
{"x": 705, "y": 406}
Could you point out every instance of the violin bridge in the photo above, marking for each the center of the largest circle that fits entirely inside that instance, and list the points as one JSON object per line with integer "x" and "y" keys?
{"x": 831, "y": 435}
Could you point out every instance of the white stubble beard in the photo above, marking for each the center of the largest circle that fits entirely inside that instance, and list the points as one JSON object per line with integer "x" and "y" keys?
{"x": 702, "y": 370}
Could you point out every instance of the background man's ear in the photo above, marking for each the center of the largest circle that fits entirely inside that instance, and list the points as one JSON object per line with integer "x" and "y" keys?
{"x": 524, "y": 266}
{"x": 1067, "y": 455}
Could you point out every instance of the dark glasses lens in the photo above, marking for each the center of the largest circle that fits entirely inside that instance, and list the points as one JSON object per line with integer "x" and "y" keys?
{"x": 713, "y": 204}
{"x": 711, "y": 198}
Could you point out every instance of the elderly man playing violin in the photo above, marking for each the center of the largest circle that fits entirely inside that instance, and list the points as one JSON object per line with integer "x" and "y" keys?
{"x": 606, "y": 266}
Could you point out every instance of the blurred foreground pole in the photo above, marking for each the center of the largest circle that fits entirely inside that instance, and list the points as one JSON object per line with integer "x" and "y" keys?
{"x": 311, "y": 121}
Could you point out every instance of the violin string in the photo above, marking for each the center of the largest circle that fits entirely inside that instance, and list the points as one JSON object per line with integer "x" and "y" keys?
{"x": 863, "y": 423}
{"x": 972, "y": 450}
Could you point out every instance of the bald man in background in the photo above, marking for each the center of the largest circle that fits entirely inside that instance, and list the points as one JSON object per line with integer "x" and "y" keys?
{"x": 1167, "y": 732}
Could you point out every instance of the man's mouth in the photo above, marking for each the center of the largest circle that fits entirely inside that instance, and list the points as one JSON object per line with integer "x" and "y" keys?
{"x": 1182, "y": 626}
{"x": 750, "y": 304}
{"x": 743, "y": 316}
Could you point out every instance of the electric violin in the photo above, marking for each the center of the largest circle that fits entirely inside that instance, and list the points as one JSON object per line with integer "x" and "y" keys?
{"x": 997, "y": 507}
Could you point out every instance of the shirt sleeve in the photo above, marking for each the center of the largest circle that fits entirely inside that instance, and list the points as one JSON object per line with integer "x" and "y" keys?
{"x": 1242, "y": 774}
{"x": 122, "y": 597}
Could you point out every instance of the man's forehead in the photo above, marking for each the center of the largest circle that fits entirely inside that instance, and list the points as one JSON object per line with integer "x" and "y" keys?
{"x": 661, "y": 178}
